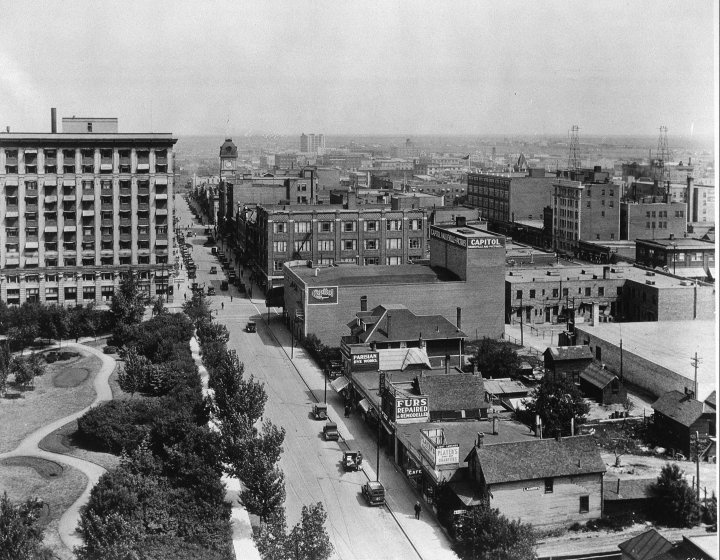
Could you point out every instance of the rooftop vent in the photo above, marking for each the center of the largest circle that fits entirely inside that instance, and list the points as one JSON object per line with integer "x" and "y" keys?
{"x": 650, "y": 282}
{"x": 553, "y": 273}
{"x": 649, "y": 273}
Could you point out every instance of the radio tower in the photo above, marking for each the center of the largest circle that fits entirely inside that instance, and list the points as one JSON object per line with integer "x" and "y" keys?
{"x": 573, "y": 158}
{"x": 662, "y": 156}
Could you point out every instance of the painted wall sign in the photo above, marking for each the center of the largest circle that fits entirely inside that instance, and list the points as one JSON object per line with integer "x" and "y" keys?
{"x": 467, "y": 242}
{"x": 412, "y": 409}
{"x": 368, "y": 361}
{"x": 322, "y": 295}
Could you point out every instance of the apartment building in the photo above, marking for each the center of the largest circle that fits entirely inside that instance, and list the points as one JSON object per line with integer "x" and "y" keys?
{"x": 312, "y": 143}
{"x": 586, "y": 207}
{"x": 80, "y": 208}
{"x": 646, "y": 218}
{"x": 507, "y": 197}
{"x": 328, "y": 234}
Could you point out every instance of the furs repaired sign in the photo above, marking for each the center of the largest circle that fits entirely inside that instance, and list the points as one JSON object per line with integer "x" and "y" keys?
{"x": 322, "y": 295}
{"x": 411, "y": 409}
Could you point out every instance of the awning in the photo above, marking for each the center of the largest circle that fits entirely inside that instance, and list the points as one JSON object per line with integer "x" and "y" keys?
{"x": 11, "y": 182}
{"x": 161, "y": 181}
{"x": 50, "y": 183}
{"x": 30, "y": 151}
{"x": 365, "y": 405}
{"x": 340, "y": 383}
{"x": 69, "y": 182}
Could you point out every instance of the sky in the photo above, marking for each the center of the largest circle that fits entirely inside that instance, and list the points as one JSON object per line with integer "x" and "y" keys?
{"x": 363, "y": 67}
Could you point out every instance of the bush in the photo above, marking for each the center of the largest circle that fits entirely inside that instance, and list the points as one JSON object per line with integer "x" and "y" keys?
{"x": 51, "y": 357}
{"x": 115, "y": 426}
{"x": 110, "y": 350}
{"x": 67, "y": 355}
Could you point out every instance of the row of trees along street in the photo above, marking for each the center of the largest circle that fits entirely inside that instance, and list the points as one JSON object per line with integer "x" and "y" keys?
{"x": 251, "y": 449}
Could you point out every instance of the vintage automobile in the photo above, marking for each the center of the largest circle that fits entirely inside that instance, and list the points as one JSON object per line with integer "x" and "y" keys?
{"x": 223, "y": 285}
{"x": 213, "y": 270}
{"x": 319, "y": 411}
{"x": 352, "y": 460}
{"x": 213, "y": 250}
{"x": 211, "y": 291}
{"x": 251, "y": 327}
{"x": 374, "y": 493}
{"x": 330, "y": 431}
{"x": 333, "y": 369}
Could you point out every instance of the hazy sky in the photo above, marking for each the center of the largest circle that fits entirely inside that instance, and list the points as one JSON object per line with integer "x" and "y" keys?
{"x": 406, "y": 67}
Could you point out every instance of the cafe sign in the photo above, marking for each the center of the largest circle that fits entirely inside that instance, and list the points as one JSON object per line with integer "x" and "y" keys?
{"x": 322, "y": 295}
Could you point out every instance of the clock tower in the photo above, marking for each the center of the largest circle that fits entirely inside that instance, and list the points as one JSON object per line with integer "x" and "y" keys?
{"x": 228, "y": 159}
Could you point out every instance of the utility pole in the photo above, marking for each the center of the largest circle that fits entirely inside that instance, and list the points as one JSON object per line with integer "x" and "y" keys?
{"x": 695, "y": 362}
{"x": 697, "y": 463}
{"x": 621, "y": 361}
{"x": 521, "y": 323}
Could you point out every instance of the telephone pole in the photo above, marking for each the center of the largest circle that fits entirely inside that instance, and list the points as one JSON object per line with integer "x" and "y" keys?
{"x": 695, "y": 362}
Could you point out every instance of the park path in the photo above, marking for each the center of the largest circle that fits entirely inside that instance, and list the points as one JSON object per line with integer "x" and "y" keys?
{"x": 29, "y": 447}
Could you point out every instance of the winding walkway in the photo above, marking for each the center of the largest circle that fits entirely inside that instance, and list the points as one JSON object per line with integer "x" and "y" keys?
{"x": 29, "y": 447}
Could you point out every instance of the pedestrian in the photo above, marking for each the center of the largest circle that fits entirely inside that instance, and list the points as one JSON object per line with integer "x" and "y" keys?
{"x": 230, "y": 299}
{"x": 222, "y": 304}
{"x": 418, "y": 509}
{"x": 185, "y": 296}
{"x": 347, "y": 410}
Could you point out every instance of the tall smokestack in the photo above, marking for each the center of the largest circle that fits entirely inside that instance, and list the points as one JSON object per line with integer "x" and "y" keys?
{"x": 53, "y": 120}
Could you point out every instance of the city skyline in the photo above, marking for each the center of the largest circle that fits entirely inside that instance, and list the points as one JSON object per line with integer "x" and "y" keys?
{"x": 370, "y": 68}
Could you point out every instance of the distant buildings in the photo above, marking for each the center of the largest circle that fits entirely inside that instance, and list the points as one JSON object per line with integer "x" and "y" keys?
{"x": 312, "y": 143}
{"x": 82, "y": 207}
{"x": 683, "y": 256}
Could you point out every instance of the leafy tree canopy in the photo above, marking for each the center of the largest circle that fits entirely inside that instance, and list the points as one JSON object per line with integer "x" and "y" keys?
{"x": 496, "y": 358}
{"x": 556, "y": 401}
{"x": 677, "y": 503}
{"x": 485, "y": 534}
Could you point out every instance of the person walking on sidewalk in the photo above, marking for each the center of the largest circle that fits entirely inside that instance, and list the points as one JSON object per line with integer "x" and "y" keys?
{"x": 222, "y": 304}
{"x": 418, "y": 509}
{"x": 230, "y": 299}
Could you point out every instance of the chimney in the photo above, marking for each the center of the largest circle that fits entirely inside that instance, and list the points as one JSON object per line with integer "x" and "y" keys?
{"x": 387, "y": 325}
{"x": 606, "y": 270}
{"x": 460, "y": 221}
{"x": 53, "y": 120}
{"x": 496, "y": 424}
{"x": 480, "y": 440}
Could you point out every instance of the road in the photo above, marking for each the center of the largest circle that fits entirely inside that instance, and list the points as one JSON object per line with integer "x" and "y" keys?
{"x": 311, "y": 465}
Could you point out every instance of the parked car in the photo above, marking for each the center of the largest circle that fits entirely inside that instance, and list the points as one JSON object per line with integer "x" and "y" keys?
{"x": 223, "y": 285}
{"x": 211, "y": 291}
{"x": 251, "y": 327}
{"x": 374, "y": 493}
{"x": 213, "y": 270}
{"x": 333, "y": 369}
{"x": 330, "y": 431}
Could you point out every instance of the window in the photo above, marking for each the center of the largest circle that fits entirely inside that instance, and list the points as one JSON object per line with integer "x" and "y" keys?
{"x": 588, "y": 291}
{"x": 612, "y": 192}
{"x": 548, "y": 485}
{"x": 349, "y": 226}
{"x": 279, "y": 246}
{"x": 280, "y": 227}
{"x": 588, "y": 204}
{"x": 532, "y": 294}
{"x": 393, "y": 260}
{"x": 565, "y": 292}
{"x": 371, "y": 225}
{"x": 277, "y": 265}
{"x": 326, "y": 227}
{"x": 597, "y": 235}
{"x": 612, "y": 236}
{"x": 612, "y": 204}
{"x": 584, "y": 504}
{"x": 601, "y": 291}
{"x": 89, "y": 127}
{"x": 302, "y": 227}
{"x": 415, "y": 242}
{"x": 647, "y": 225}
{"x": 619, "y": 290}
{"x": 326, "y": 245}
{"x": 302, "y": 246}
{"x": 372, "y": 260}
{"x": 555, "y": 292}
{"x": 518, "y": 294}
{"x": 348, "y": 244}
{"x": 395, "y": 243}
{"x": 602, "y": 214}
{"x": 394, "y": 225}
{"x": 414, "y": 225}
{"x": 363, "y": 303}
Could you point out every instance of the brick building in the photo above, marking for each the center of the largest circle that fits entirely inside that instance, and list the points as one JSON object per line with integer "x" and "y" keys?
{"x": 683, "y": 256}
{"x": 652, "y": 219}
{"x": 463, "y": 283}
{"x": 586, "y": 206}
{"x": 81, "y": 207}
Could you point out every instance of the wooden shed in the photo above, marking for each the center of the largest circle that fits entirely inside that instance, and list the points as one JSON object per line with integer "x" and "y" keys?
{"x": 602, "y": 386}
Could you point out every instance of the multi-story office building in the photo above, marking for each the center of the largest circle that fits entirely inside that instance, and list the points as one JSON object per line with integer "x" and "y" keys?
{"x": 325, "y": 234}
{"x": 507, "y": 197}
{"x": 645, "y": 218}
{"x": 82, "y": 207}
{"x": 586, "y": 207}
{"x": 312, "y": 143}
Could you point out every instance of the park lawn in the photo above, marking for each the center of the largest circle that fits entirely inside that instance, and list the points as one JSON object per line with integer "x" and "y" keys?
{"x": 65, "y": 387}
{"x": 58, "y": 486}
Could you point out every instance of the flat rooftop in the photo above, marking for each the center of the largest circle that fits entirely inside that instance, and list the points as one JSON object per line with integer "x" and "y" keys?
{"x": 575, "y": 273}
{"x": 468, "y": 231}
{"x": 355, "y": 275}
{"x": 680, "y": 243}
{"x": 670, "y": 344}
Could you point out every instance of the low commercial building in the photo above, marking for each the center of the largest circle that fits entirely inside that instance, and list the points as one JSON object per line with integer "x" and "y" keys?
{"x": 551, "y": 482}
{"x": 462, "y": 282}
{"x": 682, "y": 256}
{"x": 678, "y": 416}
{"x": 602, "y": 386}
{"x": 645, "y": 546}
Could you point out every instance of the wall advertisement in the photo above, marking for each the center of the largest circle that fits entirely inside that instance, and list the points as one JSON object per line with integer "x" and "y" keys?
{"x": 322, "y": 295}
{"x": 368, "y": 361}
{"x": 411, "y": 409}
{"x": 467, "y": 242}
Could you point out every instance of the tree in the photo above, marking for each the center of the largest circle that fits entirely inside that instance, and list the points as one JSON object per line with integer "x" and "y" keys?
{"x": 487, "y": 535}
{"x": 677, "y": 503}
{"x": 309, "y": 537}
{"x": 133, "y": 373}
{"x": 271, "y": 539}
{"x": 556, "y": 401}
{"x": 496, "y": 358}
{"x": 159, "y": 306}
{"x": 128, "y": 302}
{"x": 25, "y": 370}
{"x": 198, "y": 309}
{"x": 264, "y": 488}
{"x": 20, "y": 535}
{"x": 710, "y": 511}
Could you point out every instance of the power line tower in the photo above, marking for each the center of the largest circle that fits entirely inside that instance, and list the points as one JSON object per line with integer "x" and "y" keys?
{"x": 662, "y": 156}
{"x": 573, "y": 157}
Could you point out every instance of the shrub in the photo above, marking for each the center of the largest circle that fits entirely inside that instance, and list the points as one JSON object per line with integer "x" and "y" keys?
{"x": 110, "y": 350}
{"x": 115, "y": 426}
{"x": 67, "y": 355}
{"x": 51, "y": 357}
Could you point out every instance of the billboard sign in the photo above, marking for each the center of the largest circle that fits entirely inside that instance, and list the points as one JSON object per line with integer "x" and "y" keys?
{"x": 411, "y": 409}
{"x": 322, "y": 295}
{"x": 467, "y": 242}
{"x": 439, "y": 454}
{"x": 368, "y": 361}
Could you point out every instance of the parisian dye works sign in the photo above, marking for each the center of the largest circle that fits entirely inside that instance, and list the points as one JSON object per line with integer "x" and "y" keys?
{"x": 322, "y": 295}
{"x": 467, "y": 242}
{"x": 368, "y": 361}
{"x": 409, "y": 410}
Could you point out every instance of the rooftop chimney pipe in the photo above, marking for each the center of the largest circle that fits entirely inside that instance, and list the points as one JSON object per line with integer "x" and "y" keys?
{"x": 53, "y": 120}
{"x": 480, "y": 439}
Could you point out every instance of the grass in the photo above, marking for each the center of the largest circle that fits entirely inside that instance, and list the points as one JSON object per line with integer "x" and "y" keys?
{"x": 64, "y": 441}
{"x": 47, "y": 402}
{"x": 58, "y": 486}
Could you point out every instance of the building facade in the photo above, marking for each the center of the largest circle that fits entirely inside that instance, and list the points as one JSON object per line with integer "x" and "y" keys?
{"x": 684, "y": 256}
{"x": 652, "y": 219}
{"x": 82, "y": 207}
{"x": 506, "y": 197}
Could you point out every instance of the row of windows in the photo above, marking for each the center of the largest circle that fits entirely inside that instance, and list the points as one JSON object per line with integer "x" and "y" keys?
{"x": 89, "y": 261}
{"x": 555, "y": 292}
{"x": 346, "y": 244}
{"x": 493, "y": 193}
{"x": 611, "y": 203}
{"x": 611, "y": 192}
{"x": 396, "y": 260}
{"x": 328, "y": 226}
{"x": 87, "y": 161}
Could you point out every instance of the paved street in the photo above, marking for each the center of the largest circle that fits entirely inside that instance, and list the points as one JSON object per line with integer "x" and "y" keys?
{"x": 311, "y": 465}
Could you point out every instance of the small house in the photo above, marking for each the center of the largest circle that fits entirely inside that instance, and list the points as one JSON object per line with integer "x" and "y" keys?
{"x": 677, "y": 416}
{"x": 602, "y": 386}
{"x": 567, "y": 361}
{"x": 645, "y": 546}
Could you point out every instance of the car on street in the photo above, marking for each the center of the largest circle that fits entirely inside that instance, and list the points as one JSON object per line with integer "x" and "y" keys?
{"x": 223, "y": 285}
{"x": 330, "y": 431}
{"x": 213, "y": 270}
{"x": 251, "y": 327}
{"x": 374, "y": 493}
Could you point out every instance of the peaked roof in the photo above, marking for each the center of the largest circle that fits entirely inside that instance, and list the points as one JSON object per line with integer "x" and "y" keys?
{"x": 597, "y": 376}
{"x": 539, "y": 458}
{"x": 399, "y": 359}
{"x": 679, "y": 407}
{"x": 395, "y": 322}
{"x": 504, "y": 385}
{"x": 558, "y": 353}
{"x": 711, "y": 400}
{"x": 646, "y": 545}
{"x": 627, "y": 488}
{"x": 454, "y": 391}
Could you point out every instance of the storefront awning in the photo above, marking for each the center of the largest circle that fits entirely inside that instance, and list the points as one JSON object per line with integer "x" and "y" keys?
{"x": 340, "y": 383}
{"x": 364, "y": 405}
